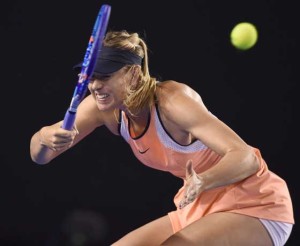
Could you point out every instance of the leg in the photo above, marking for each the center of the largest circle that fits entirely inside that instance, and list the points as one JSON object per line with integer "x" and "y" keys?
{"x": 153, "y": 233}
{"x": 222, "y": 229}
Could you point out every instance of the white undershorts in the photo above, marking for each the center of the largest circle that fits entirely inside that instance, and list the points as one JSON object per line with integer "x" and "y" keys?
{"x": 279, "y": 231}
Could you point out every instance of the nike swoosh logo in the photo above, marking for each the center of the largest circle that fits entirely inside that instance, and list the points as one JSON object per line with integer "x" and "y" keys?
{"x": 143, "y": 152}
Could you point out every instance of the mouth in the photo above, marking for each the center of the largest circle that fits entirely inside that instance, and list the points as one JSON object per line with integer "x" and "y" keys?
{"x": 102, "y": 96}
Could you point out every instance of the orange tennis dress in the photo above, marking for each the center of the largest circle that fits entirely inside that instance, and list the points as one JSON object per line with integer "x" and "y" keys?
{"x": 263, "y": 195}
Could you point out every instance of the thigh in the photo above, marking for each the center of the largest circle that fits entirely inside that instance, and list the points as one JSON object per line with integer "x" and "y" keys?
{"x": 222, "y": 229}
{"x": 153, "y": 233}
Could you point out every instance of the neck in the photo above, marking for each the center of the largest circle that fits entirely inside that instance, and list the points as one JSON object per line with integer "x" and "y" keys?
{"x": 140, "y": 117}
{"x": 138, "y": 122}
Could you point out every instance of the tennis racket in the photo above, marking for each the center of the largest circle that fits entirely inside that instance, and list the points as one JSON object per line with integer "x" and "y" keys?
{"x": 88, "y": 65}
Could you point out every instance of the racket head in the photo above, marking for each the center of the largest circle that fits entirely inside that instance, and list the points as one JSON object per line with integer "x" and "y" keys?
{"x": 92, "y": 52}
{"x": 88, "y": 65}
{"x": 96, "y": 40}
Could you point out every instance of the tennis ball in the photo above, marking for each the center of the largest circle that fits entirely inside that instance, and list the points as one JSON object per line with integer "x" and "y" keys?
{"x": 244, "y": 36}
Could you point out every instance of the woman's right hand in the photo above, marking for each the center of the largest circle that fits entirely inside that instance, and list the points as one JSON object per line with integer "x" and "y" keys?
{"x": 56, "y": 138}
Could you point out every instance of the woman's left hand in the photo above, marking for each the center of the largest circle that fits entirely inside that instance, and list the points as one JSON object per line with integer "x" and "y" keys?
{"x": 193, "y": 186}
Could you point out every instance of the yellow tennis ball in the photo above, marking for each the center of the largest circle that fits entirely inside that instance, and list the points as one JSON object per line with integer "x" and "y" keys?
{"x": 244, "y": 36}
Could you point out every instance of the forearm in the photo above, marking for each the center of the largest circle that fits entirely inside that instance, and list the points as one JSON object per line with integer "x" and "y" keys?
{"x": 40, "y": 153}
{"x": 233, "y": 167}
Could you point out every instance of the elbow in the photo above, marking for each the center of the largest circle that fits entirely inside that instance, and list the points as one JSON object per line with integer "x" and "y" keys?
{"x": 41, "y": 162}
{"x": 253, "y": 161}
{"x": 39, "y": 156}
{"x": 39, "y": 159}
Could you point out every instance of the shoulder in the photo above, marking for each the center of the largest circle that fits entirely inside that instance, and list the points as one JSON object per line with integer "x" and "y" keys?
{"x": 177, "y": 99}
{"x": 172, "y": 85}
{"x": 89, "y": 114}
{"x": 88, "y": 106}
{"x": 171, "y": 92}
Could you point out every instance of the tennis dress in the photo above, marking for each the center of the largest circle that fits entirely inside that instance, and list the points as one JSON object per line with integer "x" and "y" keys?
{"x": 262, "y": 195}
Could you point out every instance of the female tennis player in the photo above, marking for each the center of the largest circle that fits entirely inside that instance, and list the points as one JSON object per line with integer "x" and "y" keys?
{"x": 228, "y": 195}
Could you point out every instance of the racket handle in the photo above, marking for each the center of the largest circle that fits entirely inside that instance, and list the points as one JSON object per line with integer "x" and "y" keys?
{"x": 69, "y": 120}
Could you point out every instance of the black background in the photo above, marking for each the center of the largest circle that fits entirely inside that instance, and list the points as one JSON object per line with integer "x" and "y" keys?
{"x": 99, "y": 186}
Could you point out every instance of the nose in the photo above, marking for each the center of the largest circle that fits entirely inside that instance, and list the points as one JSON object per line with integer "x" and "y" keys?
{"x": 96, "y": 84}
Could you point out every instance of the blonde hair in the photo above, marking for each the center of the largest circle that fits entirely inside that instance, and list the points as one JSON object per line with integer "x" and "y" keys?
{"x": 141, "y": 95}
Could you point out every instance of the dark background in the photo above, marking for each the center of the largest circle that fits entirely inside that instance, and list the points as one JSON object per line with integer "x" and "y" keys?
{"x": 97, "y": 191}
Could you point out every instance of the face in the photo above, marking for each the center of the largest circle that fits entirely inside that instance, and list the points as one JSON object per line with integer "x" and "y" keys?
{"x": 109, "y": 90}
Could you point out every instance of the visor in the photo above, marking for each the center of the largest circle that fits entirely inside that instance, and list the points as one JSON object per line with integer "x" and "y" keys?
{"x": 111, "y": 59}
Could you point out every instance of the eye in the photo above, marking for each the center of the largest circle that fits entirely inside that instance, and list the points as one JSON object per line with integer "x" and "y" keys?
{"x": 102, "y": 77}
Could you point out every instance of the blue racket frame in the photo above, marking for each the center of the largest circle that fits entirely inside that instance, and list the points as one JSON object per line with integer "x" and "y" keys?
{"x": 88, "y": 65}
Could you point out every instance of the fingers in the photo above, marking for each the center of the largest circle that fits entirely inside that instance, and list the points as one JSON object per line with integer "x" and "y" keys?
{"x": 189, "y": 169}
{"x": 193, "y": 186}
{"x": 63, "y": 142}
{"x": 182, "y": 204}
{"x": 75, "y": 129}
{"x": 57, "y": 138}
{"x": 186, "y": 201}
{"x": 59, "y": 147}
{"x": 190, "y": 196}
{"x": 188, "y": 174}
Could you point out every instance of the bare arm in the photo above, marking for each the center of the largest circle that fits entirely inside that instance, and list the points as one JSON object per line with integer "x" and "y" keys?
{"x": 186, "y": 110}
{"x": 51, "y": 141}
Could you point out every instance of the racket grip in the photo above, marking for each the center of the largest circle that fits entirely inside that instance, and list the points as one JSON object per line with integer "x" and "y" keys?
{"x": 69, "y": 120}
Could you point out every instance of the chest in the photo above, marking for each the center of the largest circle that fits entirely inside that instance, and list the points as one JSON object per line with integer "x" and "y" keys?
{"x": 178, "y": 135}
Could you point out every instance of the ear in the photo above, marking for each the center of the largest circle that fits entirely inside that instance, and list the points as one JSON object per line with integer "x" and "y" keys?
{"x": 135, "y": 71}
